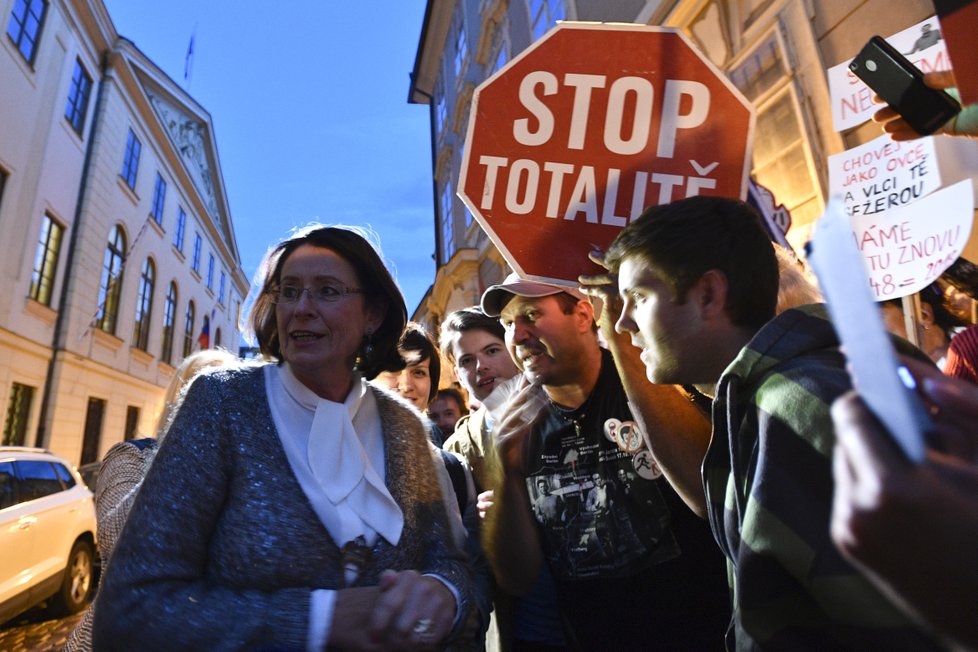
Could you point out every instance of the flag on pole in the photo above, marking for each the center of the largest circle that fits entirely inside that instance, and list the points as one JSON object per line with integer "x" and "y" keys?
{"x": 204, "y": 339}
{"x": 188, "y": 61}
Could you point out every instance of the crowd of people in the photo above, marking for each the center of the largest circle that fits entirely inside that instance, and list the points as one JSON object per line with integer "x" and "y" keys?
{"x": 670, "y": 456}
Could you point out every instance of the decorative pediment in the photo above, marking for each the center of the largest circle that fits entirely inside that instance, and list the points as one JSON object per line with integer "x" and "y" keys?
{"x": 189, "y": 137}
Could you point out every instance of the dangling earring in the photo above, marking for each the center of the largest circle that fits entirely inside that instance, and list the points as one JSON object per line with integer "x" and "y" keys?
{"x": 366, "y": 351}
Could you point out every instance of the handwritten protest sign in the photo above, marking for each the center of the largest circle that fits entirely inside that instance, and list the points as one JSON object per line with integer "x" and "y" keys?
{"x": 907, "y": 248}
{"x": 852, "y": 100}
{"x": 881, "y": 174}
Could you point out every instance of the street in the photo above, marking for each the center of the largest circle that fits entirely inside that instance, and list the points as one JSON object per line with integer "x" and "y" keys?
{"x": 36, "y": 631}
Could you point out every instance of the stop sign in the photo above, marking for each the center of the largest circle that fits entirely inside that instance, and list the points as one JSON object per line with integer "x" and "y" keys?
{"x": 572, "y": 139}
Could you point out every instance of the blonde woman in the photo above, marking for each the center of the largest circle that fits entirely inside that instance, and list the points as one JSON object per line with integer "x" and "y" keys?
{"x": 123, "y": 469}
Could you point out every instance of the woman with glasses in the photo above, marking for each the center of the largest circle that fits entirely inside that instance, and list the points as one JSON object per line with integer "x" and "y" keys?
{"x": 294, "y": 505}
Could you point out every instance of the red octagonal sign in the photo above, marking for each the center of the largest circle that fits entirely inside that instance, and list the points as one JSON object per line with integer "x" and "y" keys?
{"x": 576, "y": 136}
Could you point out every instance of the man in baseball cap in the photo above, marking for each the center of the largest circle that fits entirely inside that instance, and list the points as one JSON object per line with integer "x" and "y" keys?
{"x": 569, "y": 424}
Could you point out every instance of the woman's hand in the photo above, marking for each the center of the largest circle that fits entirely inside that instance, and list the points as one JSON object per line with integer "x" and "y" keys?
{"x": 413, "y": 612}
{"x": 484, "y": 502}
{"x": 964, "y": 123}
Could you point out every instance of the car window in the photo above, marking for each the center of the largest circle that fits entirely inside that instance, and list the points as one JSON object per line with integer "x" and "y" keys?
{"x": 8, "y": 485}
{"x": 37, "y": 479}
{"x": 67, "y": 479}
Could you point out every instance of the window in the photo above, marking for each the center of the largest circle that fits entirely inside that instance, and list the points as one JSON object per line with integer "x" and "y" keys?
{"x": 144, "y": 305}
{"x": 441, "y": 107}
{"x": 447, "y": 226}
{"x": 37, "y": 479}
{"x": 461, "y": 44}
{"x": 220, "y": 288}
{"x": 500, "y": 45}
{"x": 159, "y": 195}
{"x": 130, "y": 162}
{"x": 217, "y": 337}
{"x": 8, "y": 485}
{"x": 93, "y": 430}
{"x": 195, "y": 263}
{"x": 132, "y": 422}
{"x": 24, "y": 27}
{"x": 782, "y": 161}
{"x": 181, "y": 228}
{"x": 188, "y": 330}
{"x": 111, "y": 284}
{"x": 3, "y": 181}
{"x": 46, "y": 260}
{"x": 210, "y": 271}
{"x": 544, "y": 14}
{"x": 18, "y": 414}
{"x": 81, "y": 88}
{"x": 169, "y": 316}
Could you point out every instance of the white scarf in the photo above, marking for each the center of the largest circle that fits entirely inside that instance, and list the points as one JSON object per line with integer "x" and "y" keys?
{"x": 336, "y": 451}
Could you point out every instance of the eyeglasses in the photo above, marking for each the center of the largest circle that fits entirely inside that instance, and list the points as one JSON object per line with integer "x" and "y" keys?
{"x": 327, "y": 293}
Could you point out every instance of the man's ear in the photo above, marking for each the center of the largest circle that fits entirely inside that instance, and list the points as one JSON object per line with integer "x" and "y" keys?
{"x": 584, "y": 311}
{"x": 711, "y": 293}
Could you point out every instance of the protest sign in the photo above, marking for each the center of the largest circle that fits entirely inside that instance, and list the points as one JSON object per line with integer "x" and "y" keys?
{"x": 852, "y": 100}
{"x": 882, "y": 174}
{"x": 594, "y": 122}
{"x": 908, "y": 247}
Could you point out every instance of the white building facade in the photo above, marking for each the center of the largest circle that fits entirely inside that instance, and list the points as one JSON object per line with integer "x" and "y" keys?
{"x": 118, "y": 250}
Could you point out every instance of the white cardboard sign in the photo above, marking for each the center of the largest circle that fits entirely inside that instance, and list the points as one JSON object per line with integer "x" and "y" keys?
{"x": 881, "y": 175}
{"x": 852, "y": 100}
{"x": 907, "y": 248}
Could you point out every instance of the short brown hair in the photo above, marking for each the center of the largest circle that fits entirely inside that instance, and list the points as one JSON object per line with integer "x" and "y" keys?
{"x": 372, "y": 275}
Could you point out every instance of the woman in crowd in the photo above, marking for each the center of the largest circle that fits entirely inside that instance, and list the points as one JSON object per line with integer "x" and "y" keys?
{"x": 416, "y": 378}
{"x": 122, "y": 472}
{"x": 937, "y": 324}
{"x": 293, "y": 505}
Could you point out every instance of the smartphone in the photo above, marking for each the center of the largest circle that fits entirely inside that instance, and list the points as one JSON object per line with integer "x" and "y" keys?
{"x": 901, "y": 85}
{"x": 886, "y": 386}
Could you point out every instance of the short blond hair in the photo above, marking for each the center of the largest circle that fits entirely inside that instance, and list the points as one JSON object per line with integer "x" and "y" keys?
{"x": 192, "y": 365}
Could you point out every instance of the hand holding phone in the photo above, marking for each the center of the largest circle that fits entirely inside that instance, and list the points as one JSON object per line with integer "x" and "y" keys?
{"x": 901, "y": 85}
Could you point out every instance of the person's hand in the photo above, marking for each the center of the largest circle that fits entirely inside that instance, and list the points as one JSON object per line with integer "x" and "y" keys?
{"x": 484, "y": 502}
{"x": 514, "y": 426}
{"x": 605, "y": 287}
{"x": 413, "y": 612}
{"x": 964, "y": 123}
{"x": 911, "y": 528}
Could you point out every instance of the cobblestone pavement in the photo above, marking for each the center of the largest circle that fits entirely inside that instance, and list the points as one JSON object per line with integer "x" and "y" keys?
{"x": 36, "y": 631}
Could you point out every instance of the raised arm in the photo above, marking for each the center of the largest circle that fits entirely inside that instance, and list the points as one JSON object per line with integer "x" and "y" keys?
{"x": 510, "y": 538}
{"x": 676, "y": 432}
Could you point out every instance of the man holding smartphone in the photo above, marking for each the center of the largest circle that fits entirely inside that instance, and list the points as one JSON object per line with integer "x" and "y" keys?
{"x": 699, "y": 282}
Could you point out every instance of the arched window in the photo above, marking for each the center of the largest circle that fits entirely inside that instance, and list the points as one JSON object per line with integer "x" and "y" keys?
{"x": 144, "y": 305}
{"x": 188, "y": 330}
{"x": 111, "y": 285}
{"x": 169, "y": 314}
{"x": 217, "y": 337}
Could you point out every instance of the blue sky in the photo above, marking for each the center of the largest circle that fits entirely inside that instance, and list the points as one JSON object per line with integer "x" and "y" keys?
{"x": 309, "y": 104}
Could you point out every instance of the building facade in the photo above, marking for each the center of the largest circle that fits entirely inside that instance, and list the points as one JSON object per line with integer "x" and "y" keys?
{"x": 777, "y": 52}
{"x": 118, "y": 255}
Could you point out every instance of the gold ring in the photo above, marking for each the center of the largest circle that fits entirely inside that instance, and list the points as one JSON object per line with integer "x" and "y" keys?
{"x": 423, "y": 627}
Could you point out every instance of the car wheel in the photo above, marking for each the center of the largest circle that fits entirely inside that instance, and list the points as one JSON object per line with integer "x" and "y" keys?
{"x": 76, "y": 586}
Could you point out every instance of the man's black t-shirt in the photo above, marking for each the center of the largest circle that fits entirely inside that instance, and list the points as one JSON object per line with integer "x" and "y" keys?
{"x": 634, "y": 566}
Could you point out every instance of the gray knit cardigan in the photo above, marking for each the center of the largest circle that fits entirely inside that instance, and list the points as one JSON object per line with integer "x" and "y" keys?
{"x": 222, "y": 548}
